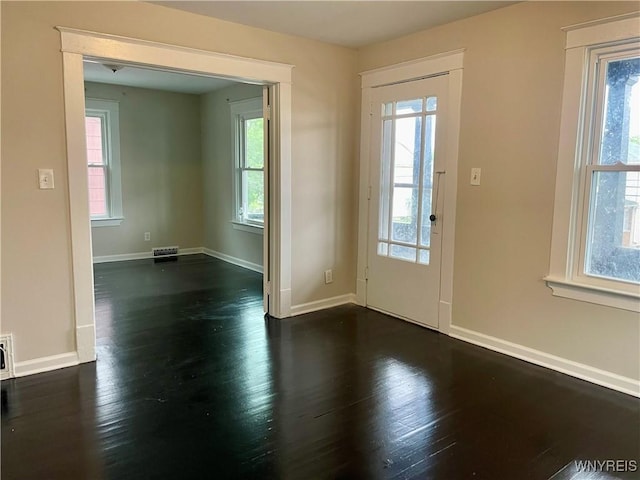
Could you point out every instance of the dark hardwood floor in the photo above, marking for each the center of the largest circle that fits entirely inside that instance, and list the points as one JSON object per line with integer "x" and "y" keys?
{"x": 193, "y": 382}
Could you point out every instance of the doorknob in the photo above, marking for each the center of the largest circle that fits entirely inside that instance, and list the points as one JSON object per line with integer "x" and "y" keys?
{"x": 432, "y": 217}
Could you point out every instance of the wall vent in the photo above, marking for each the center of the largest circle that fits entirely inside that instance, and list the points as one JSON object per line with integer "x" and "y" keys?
{"x": 6, "y": 357}
{"x": 164, "y": 252}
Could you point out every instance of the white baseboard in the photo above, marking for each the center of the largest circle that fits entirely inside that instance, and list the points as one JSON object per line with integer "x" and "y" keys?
{"x": 45, "y": 364}
{"x": 235, "y": 261}
{"x": 140, "y": 255}
{"x": 579, "y": 370}
{"x": 322, "y": 304}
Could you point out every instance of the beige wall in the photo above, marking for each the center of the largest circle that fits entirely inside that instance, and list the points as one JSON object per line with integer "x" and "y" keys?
{"x": 511, "y": 98}
{"x": 161, "y": 170}
{"x": 510, "y": 123}
{"x": 218, "y": 161}
{"x": 36, "y": 262}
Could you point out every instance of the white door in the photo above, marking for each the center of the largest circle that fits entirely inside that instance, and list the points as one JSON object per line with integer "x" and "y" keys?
{"x": 406, "y": 200}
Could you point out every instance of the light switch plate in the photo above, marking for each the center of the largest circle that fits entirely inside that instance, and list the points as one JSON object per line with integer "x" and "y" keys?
{"x": 475, "y": 176}
{"x": 45, "y": 178}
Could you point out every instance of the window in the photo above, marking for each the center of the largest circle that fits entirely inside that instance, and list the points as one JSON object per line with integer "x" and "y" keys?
{"x": 596, "y": 236}
{"x": 103, "y": 162}
{"x": 248, "y": 147}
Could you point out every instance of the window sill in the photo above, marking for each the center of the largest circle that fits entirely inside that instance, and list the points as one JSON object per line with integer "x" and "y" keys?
{"x": 247, "y": 227}
{"x": 592, "y": 294}
{"x": 106, "y": 222}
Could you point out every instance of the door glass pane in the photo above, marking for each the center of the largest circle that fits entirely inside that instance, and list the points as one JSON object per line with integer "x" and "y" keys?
{"x": 253, "y": 143}
{"x": 432, "y": 104}
{"x": 427, "y": 179}
{"x": 409, "y": 106}
{"x": 407, "y": 150}
{"x": 405, "y": 253}
{"x": 405, "y": 213}
{"x": 385, "y": 180}
{"x": 93, "y": 126}
{"x": 613, "y": 238}
{"x": 406, "y": 177}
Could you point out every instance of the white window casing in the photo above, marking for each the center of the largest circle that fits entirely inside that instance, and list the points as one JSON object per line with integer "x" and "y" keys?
{"x": 242, "y": 111}
{"x": 109, "y": 111}
{"x": 588, "y": 47}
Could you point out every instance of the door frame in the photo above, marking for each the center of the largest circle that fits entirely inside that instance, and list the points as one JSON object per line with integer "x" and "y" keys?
{"x": 78, "y": 44}
{"x": 450, "y": 63}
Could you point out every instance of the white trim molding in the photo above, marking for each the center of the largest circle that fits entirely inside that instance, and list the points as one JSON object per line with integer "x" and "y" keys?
{"x": 106, "y": 222}
{"x": 46, "y": 364}
{"x": 600, "y": 31}
{"x": 123, "y": 257}
{"x": 413, "y": 69}
{"x": 176, "y": 57}
{"x": 233, "y": 260}
{"x": 569, "y": 367}
{"x": 450, "y": 64}
{"x": 80, "y": 44}
{"x": 561, "y": 287}
{"x": 323, "y": 304}
{"x": 247, "y": 227}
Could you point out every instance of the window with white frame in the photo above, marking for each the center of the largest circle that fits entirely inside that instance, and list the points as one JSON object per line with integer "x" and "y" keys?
{"x": 248, "y": 147}
{"x": 103, "y": 162}
{"x": 596, "y": 234}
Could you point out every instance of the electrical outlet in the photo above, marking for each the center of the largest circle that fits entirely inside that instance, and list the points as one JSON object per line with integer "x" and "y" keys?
{"x": 328, "y": 276}
{"x": 475, "y": 176}
{"x": 147, "y": 236}
{"x": 45, "y": 178}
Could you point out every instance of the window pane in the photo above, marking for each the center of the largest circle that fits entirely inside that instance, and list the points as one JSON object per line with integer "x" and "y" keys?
{"x": 405, "y": 253}
{"x": 93, "y": 127}
{"x": 613, "y": 240}
{"x": 432, "y": 104}
{"x": 405, "y": 214}
{"x": 253, "y": 188}
{"x": 383, "y": 249}
{"x": 254, "y": 146}
{"x": 97, "y": 192}
{"x": 621, "y": 121}
{"x": 387, "y": 109}
{"x": 407, "y": 150}
{"x": 409, "y": 106}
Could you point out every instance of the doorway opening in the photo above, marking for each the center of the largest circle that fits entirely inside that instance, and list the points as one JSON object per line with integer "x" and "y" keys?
{"x": 176, "y": 166}
{"x": 79, "y": 46}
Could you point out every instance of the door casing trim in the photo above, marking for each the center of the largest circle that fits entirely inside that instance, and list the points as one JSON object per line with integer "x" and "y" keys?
{"x": 78, "y": 44}
{"x": 450, "y": 63}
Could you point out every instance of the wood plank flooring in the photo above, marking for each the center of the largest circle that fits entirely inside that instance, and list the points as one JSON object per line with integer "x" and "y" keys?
{"x": 192, "y": 382}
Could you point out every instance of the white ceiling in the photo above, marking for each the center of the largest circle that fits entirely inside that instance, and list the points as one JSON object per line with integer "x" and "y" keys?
{"x": 154, "y": 79}
{"x": 342, "y": 22}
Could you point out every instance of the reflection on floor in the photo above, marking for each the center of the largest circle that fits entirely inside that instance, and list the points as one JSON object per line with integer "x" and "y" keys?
{"x": 193, "y": 382}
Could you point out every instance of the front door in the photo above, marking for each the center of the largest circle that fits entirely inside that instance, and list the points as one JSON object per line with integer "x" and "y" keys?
{"x": 406, "y": 200}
